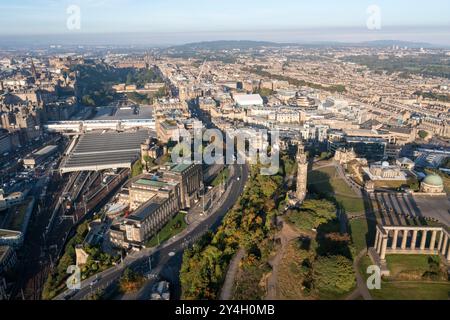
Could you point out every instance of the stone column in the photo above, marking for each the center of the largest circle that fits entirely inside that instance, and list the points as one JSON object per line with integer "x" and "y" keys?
{"x": 383, "y": 248}
{"x": 424, "y": 239}
{"x": 395, "y": 239}
{"x": 433, "y": 240}
{"x": 377, "y": 237}
{"x": 414, "y": 240}
{"x": 445, "y": 244}
{"x": 404, "y": 239}
{"x": 380, "y": 240}
{"x": 448, "y": 253}
{"x": 441, "y": 239}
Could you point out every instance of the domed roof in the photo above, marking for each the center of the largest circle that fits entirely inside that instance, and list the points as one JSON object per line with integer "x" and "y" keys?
{"x": 433, "y": 180}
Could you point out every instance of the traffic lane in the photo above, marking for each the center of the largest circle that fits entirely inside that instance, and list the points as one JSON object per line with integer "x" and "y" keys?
{"x": 102, "y": 282}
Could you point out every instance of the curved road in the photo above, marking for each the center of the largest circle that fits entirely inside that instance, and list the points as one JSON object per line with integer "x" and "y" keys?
{"x": 174, "y": 247}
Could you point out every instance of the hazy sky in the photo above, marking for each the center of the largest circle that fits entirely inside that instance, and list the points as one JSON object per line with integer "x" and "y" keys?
{"x": 231, "y": 18}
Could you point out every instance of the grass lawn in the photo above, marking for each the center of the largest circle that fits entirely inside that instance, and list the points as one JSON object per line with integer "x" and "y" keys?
{"x": 359, "y": 230}
{"x": 398, "y": 263}
{"x": 326, "y": 180}
{"x": 172, "y": 228}
{"x": 412, "y": 291}
{"x": 407, "y": 290}
{"x": 351, "y": 204}
{"x": 291, "y": 274}
{"x": 411, "y": 267}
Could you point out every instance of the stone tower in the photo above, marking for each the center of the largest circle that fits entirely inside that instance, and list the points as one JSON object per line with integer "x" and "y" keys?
{"x": 302, "y": 174}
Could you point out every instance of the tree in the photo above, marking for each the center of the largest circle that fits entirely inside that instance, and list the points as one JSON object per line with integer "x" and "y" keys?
{"x": 137, "y": 169}
{"x": 130, "y": 281}
{"x": 446, "y": 163}
{"x": 88, "y": 101}
{"x": 423, "y": 134}
{"x": 312, "y": 214}
{"x": 333, "y": 274}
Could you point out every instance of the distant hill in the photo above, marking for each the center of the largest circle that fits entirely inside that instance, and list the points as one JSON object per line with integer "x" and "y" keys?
{"x": 227, "y": 45}
{"x": 390, "y": 43}
{"x": 248, "y": 44}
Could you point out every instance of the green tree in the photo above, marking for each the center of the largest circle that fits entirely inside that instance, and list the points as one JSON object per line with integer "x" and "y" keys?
{"x": 423, "y": 134}
{"x": 137, "y": 169}
{"x": 333, "y": 274}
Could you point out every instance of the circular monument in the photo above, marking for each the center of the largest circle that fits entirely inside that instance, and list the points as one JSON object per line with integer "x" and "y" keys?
{"x": 432, "y": 184}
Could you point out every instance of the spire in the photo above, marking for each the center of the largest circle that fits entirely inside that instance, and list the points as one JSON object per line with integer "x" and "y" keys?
{"x": 33, "y": 69}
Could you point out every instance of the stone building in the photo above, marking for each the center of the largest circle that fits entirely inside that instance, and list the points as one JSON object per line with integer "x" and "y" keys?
{"x": 432, "y": 184}
{"x": 144, "y": 189}
{"x": 155, "y": 200}
{"x": 146, "y": 221}
{"x": 386, "y": 171}
{"x": 189, "y": 177}
{"x": 344, "y": 156}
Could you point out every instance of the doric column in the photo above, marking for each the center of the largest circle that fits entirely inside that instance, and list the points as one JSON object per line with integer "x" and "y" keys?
{"x": 395, "y": 239}
{"x": 424, "y": 239}
{"x": 448, "y": 253}
{"x": 414, "y": 240}
{"x": 383, "y": 248}
{"x": 433, "y": 240}
{"x": 404, "y": 239}
{"x": 377, "y": 237}
{"x": 380, "y": 240}
{"x": 441, "y": 240}
{"x": 444, "y": 247}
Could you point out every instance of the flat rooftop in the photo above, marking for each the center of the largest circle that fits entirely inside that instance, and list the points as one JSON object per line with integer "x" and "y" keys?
{"x": 106, "y": 149}
{"x": 45, "y": 150}
{"x": 152, "y": 183}
{"x": 9, "y": 233}
{"x": 179, "y": 167}
{"x": 147, "y": 209}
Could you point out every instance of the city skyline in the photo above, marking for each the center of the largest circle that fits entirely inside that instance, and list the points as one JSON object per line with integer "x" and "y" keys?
{"x": 237, "y": 151}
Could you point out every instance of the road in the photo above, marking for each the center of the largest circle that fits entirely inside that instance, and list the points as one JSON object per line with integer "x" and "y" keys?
{"x": 160, "y": 255}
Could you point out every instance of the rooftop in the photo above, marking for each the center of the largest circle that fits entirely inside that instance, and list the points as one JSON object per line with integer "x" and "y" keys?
{"x": 153, "y": 183}
{"x": 178, "y": 168}
{"x": 9, "y": 233}
{"x": 45, "y": 150}
{"x": 111, "y": 148}
{"x": 434, "y": 180}
{"x": 147, "y": 209}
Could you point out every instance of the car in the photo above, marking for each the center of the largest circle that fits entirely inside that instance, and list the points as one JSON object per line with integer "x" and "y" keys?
{"x": 94, "y": 282}
{"x": 71, "y": 294}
